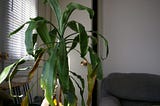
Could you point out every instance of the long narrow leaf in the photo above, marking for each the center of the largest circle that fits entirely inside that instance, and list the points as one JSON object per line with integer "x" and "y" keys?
{"x": 48, "y": 76}
{"x": 70, "y": 98}
{"x": 64, "y": 79}
{"x": 63, "y": 67}
{"x": 74, "y": 43}
{"x": 79, "y": 77}
{"x": 29, "y": 37}
{"x": 8, "y": 70}
{"x": 105, "y": 41}
{"x": 5, "y": 72}
{"x": 71, "y": 7}
{"x": 54, "y": 4}
{"x": 53, "y": 35}
{"x": 80, "y": 88}
{"x": 83, "y": 37}
{"x": 25, "y": 101}
{"x": 96, "y": 63}
{"x": 34, "y": 37}
{"x": 36, "y": 64}
{"x": 43, "y": 32}
{"x": 18, "y": 29}
{"x": 15, "y": 68}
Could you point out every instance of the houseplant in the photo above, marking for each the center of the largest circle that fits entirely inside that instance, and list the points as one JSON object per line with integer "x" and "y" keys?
{"x": 57, "y": 47}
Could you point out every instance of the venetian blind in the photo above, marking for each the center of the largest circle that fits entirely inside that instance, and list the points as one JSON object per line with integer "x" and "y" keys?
{"x": 13, "y": 13}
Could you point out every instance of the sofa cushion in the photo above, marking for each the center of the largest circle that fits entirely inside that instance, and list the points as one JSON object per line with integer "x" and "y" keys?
{"x": 109, "y": 101}
{"x": 138, "y": 103}
{"x": 134, "y": 86}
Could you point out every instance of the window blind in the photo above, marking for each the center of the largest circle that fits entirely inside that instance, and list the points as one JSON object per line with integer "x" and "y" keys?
{"x": 13, "y": 13}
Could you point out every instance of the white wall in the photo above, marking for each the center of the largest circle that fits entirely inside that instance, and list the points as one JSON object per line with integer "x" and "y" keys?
{"x": 133, "y": 30}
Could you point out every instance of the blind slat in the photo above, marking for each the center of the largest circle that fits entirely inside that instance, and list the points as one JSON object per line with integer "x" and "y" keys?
{"x": 14, "y": 13}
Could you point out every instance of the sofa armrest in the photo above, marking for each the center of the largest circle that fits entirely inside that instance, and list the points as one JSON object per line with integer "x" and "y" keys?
{"x": 109, "y": 101}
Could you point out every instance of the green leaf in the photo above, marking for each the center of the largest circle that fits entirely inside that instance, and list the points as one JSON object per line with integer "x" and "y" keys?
{"x": 9, "y": 70}
{"x": 105, "y": 41}
{"x": 63, "y": 67}
{"x": 36, "y": 64}
{"x": 34, "y": 38}
{"x": 43, "y": 32}
{"x": 71, "y": 7}
{"x": 18, "y": 29}
{"x": 75, "y": 42}
{"x": 63, "y": 74}
{"x": 79, "y": 77}
{"x": 44, "y": 1}
{"x": 29, "y": 37}
{"x": 83, "y": 37}
{"x": 6, "y": 72}
{"x": 54, "y": 4}
{"x": 80, "y": 88}
{"x": 96, "y": 63}
{"x": 15, "y": 68}
{"x": 70, "y": 98}
{"x": 94, "y": 40}
{"x": 53, "y": 35}
{"x": 48, "y": 76}
{"x": 73, "y": 25}
{"x": 38, "y": 52}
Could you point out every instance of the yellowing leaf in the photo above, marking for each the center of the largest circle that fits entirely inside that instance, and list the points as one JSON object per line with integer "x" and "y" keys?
{"x": 25, "y": 101}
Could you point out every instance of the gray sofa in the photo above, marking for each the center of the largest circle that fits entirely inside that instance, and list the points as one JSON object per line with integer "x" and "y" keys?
{"x": 130, "y": 89}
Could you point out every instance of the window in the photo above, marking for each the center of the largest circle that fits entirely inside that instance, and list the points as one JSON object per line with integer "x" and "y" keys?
{"x": 14, "y": 13}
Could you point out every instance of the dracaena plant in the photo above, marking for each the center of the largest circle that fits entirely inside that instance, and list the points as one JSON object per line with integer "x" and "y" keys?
{"x": 58, "y": 46}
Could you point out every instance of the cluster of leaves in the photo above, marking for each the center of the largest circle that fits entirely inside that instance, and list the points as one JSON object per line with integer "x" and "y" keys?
{"x": 56, "y": 46}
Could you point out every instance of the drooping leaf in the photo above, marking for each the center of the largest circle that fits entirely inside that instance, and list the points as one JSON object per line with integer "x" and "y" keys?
{"x": 83, "y": 37}
{"x": 94, "y": 40}
{"x": 15, "y": 68}
{"x": 43, "y": 32}
{"x": 74, "y": 43}
{"x": 9, "y": 70}
{"x": 18, "y": 29}
{"x": 73, "y": 25}
{"x": 71, "y": 7}
{"x": 36, "y": 19}
{"x": 83, "y": 40}
{"x": 96, "y": 63}
{"x": 79, "y": 77}
{"x": 25, "y": 101}
{"x": 5, "y": 72}
{"x": 23, "y": 69}
{"x": 91, "y": 81}
{"x": 29, "y": 37}
{"x": 80, "y": 88}
{"x": 36, "y": 64}
{"x": 48, "y": 76}
{"x": 105, "y": 41}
